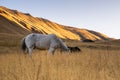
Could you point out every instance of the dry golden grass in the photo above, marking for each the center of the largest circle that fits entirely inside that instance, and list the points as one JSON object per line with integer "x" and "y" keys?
{"x": 94, "y": 63}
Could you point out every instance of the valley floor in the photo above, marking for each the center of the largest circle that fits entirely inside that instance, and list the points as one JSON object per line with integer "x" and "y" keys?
{"x": 97, "y": 61}
{"x": 90, "y": 64}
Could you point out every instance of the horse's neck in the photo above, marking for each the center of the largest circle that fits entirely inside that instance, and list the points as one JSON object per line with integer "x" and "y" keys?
{"x": 63, "y": 45}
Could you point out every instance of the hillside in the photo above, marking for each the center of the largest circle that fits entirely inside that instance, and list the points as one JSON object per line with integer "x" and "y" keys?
{"x": 15, "y": 22}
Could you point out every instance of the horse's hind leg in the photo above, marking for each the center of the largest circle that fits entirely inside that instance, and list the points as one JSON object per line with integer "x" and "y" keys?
{"x": 30, "y": 51}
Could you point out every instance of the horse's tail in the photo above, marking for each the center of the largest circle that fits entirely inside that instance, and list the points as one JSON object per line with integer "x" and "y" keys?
{"x": 23, "y": 46}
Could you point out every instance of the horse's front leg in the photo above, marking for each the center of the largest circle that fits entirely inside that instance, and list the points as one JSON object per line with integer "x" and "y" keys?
{"x": 51, "y": 51}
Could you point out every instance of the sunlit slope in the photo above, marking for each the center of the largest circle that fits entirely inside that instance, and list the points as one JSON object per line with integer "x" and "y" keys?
{"x": 13, "y": 21}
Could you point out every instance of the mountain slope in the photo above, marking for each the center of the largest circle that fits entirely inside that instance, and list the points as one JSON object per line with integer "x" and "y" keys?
{"x": 15, "y": 22}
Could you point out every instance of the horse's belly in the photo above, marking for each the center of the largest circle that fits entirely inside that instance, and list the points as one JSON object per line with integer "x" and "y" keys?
{"x": 42, "y": 45}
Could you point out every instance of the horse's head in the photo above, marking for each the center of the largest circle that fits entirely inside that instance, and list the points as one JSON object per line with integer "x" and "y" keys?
{"x": 74, "y": 49}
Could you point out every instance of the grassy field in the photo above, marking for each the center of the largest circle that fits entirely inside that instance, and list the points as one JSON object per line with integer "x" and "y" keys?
{"x": 97, "y": 61}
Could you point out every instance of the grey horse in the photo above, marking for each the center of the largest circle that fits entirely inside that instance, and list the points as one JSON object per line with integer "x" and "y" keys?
{"x": 50, "y": 42}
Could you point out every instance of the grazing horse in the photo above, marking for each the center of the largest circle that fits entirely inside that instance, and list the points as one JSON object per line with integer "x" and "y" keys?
{"x": 74, "y": 49}
{"x": 41, "y": 41}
